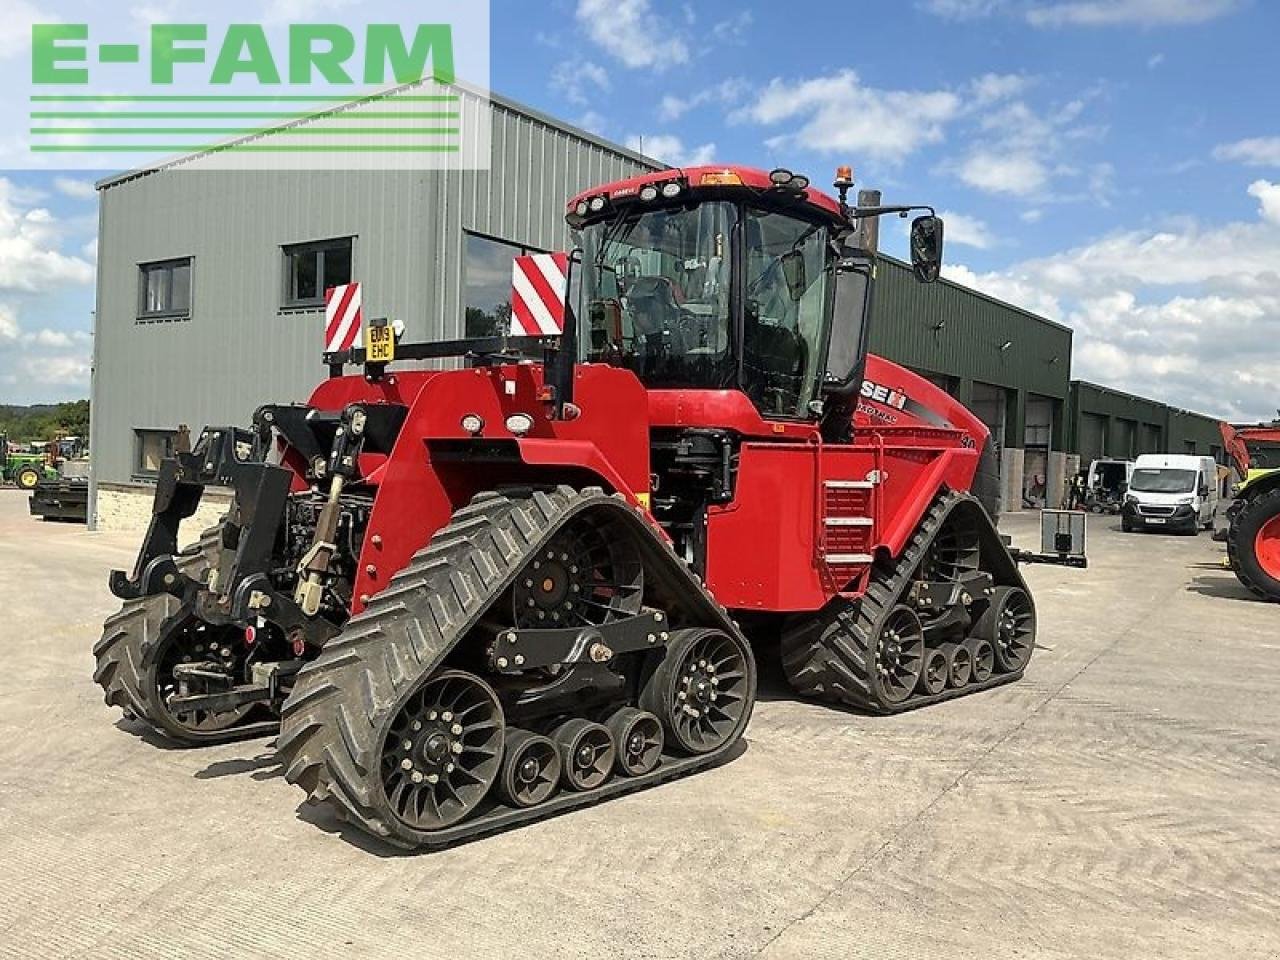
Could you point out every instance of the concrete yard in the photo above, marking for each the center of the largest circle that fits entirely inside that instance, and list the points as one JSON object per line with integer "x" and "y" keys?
{"x": 1122, "y": 801}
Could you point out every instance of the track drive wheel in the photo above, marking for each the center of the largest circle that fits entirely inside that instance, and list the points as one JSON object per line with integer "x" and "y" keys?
{"x": 933, "y": 673}
{"x": 899, "y": 654}
{"x": 702, "y": 690}
{"x": 587, "y": 753}
{"x": 1009, "y": 624}
{"x": 442, "y": 751}
{"x": 639, "y": 739}
{"x": 959, "y": 664}
{"x": 1253, "y": 545}
{"x": 530, "y": 769}
{"x": 982, "y": 658}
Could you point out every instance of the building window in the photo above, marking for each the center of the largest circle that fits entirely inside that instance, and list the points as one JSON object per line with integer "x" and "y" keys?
{"x": 312, "y": 268}
{"x": 488, "y": 284}
{"x": 164, "y": 290}
{"x": 150, "y": 447}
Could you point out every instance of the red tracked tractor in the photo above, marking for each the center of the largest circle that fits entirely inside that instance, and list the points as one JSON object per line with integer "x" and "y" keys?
{"x": 476, "y": 597}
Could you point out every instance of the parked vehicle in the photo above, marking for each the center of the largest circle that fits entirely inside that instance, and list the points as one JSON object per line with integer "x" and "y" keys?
{"x": 1253, "y": 532}
{"x": 1177, "y": 492}
{"x": 1107, "y": 484}
{"x": 468, "y": 599}
{"x": 25, "y": 470}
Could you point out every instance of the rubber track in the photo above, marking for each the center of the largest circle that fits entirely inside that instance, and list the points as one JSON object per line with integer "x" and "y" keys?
{"x": 332, "y": 722}
{"x": 127, "y": 636}
{"x": 831, "y": 657}
{"x": 1269, "y": 505}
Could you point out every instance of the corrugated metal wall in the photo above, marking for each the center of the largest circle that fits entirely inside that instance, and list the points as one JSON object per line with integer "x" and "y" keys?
{"x": 1108, "y": 423}
{"x": 239, "y": 349}
{"x": 946, "y": 328}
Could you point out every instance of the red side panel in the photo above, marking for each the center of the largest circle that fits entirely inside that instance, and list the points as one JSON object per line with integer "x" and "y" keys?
{"x": 418, "y": 489}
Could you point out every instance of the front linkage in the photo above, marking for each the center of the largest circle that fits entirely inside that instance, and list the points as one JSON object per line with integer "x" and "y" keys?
{"x": 277, "y": 580}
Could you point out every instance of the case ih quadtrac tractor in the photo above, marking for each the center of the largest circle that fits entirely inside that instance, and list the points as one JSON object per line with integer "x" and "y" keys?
{"x": 476, "y": 597}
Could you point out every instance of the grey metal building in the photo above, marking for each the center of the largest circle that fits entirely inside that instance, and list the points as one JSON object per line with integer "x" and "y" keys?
{"x": 210, "y": 283}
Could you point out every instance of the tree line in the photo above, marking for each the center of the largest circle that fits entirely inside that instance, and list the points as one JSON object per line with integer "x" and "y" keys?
{"x": 45, "y": 422}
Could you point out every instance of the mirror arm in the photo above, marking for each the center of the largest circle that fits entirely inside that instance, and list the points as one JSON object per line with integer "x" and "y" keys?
{"x": 859, "y": 213}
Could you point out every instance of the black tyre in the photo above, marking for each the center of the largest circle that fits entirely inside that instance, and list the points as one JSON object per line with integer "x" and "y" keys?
{"x": 586, "y": 752}
{"x": 703, "y": 690}
{"x": 639, "y": 739}
{"x": 982, "y": 658}
{"x": 933, "y": 675}
{"x": 141, "y": 644}
{"x": 959, "y": 664}
{"x": 1126, "y": 526}
{"x": 1253, "y": 545}
{"x": 27, "y": 478}
{"x": 899, "y": 657}
{"x": 1009, "y": 625}
{"x": 530, "y": 769}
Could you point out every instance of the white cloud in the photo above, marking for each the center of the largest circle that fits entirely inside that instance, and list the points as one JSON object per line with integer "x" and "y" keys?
{"x": 726, "y": 93}
{"x": 993, "y": 87}
{"x": 9, "y": 329}
{"x": 672, "y": 150}
{"x": 15, "y": 27}
{"x": 1034, "y": 215}
{"x": 962, "y": 9}
{"x": 576, "y": 81}
{"x": 1268, "y": 195}
{"x": 1189, "y": 314}
{"x": 1019, "y": 174}
{"x": 1255, "y": 152}
{"x": 1095, "y": 13}
{"x": 965, "y": 230}
{"x": 29, "y": 258}
{"x": 733, "y": 30}
{"x": 836, "y": 113}
{"x": 76, "y": 189}
{"x": 61, "y": 370}
{"x": 1155, "y": 60}
{"x": 630, "y": 31}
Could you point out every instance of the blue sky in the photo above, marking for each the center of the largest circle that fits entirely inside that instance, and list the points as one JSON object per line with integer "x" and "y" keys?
{"x": 1112, "y": 164}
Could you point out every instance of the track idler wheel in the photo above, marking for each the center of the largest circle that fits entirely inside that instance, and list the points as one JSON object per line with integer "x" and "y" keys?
{"x": 1009, "y": 624}
{"x": 639, "y": 739}
{"x": 933, "y": 675}
{"x": 899, "y": 654}
{"x": 959, "y": 664}
{"x": 443, "y": 751}
{"x": 530, "y": 769}
{"x": 702, "y": 689}
{"x": 982, "y": 659}
{"x": 587, "y": 753}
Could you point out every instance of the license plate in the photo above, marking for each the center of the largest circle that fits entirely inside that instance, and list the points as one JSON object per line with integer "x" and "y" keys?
{"x": 380, "y": 344}
{"x": 1155, "y": 520}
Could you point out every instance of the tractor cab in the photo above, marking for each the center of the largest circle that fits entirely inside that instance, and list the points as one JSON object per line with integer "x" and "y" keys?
{"x": 714, "y": 278}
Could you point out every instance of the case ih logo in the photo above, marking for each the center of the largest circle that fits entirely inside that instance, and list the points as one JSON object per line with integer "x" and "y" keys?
{"x": 886, "y": 395}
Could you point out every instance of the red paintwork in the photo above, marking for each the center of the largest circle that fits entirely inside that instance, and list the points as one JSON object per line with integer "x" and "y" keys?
{"x": 752, "y": 180}
{"x": 1266, "y": 548}
{"x": 765, "y": 549}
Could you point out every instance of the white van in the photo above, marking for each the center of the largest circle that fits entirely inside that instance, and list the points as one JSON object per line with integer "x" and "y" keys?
{"x": 1171, "y": 492}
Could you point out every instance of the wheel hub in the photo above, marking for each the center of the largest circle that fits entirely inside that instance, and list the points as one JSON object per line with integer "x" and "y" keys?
{"x": 436, "y": 748}
{"x": 529, "y": 769}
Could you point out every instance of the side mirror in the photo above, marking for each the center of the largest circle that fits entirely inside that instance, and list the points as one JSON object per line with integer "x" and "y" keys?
{"x": 795, "y": 273}
{"x": 926, "y": 248}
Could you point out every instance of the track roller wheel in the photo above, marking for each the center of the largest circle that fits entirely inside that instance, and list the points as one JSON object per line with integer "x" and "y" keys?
{"x": 983, "y": 659}
{"x": 1009, "y": 624}
{"x": 899, "y": 654}
{"x": 959, "y": 664}
{"x": 443, "y": 751}
{"x": 702, "y": 689}
{"x": 587, "y": 753}
{"x": 933, "y": 675}
{"x": 638, "y": 736}
{"x": 530, "y": 769}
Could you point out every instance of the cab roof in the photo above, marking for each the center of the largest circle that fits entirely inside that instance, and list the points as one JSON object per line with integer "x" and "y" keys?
{"x": 702, "y": 180}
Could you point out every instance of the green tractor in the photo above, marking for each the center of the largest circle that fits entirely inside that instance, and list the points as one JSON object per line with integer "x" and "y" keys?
{"x": 1253, "y": 537}
{"x": 25, "y": 470}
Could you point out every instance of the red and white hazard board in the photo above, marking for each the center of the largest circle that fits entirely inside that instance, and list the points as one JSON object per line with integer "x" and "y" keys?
{"x": 343, "y": 317}
{"x": 539, "y": 284}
